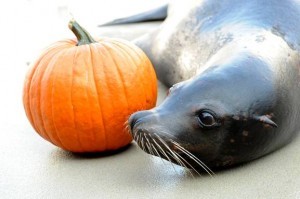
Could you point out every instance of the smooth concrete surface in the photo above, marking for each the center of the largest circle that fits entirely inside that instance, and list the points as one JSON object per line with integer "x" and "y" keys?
{"x": 32, "y": 168}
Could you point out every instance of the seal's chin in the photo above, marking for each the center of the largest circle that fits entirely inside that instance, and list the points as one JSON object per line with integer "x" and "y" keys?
{"x": 165, "y": 147}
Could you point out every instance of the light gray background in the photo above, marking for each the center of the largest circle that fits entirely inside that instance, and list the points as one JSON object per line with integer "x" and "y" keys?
{"x": 30, "y": 167}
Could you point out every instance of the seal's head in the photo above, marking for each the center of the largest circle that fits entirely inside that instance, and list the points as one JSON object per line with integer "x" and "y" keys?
{"x": 218, "y": 118}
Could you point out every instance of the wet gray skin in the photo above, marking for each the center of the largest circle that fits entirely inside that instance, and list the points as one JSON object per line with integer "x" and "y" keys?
{"x": 234, "y": 67}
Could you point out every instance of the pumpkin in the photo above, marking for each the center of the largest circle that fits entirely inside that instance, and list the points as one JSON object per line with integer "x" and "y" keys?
{"x": 80, "y": 92}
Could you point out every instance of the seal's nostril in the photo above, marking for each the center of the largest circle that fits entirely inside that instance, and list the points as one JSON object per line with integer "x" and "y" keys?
{"x": 131, "y": 121}
{"x": 136, "y": 118}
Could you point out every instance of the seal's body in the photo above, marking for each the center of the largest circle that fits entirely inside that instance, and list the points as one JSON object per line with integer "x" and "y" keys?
{"x": 196, "y": 31}
{"x": 236, "y": 69}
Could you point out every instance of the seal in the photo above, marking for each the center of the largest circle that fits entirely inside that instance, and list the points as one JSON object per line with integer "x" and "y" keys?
{"x": 234, "y": 71}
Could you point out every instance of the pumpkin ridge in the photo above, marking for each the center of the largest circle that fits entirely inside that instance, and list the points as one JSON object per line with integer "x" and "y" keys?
{"x": 134, "y": 49}
{"x": 97, "y": 92}
{"x": 89, "y": 81}
{"x": 121, "y": 77}
{"x": 61, "y": 51}
{"x": 124, "y": 53}
{"x": 26, "y": 92}
{"x": 36, "y": 67}
{"x": 111, "y": 55}
{"x": 40, "y": 70}
{"x": 45, "y": 55}
{"x": 85, "y": 65}
{"x": 100, "y": 104}
{"x": 72, "y": 85}
{"x": 40, "y": 104}
{"x": 120, "y": 45}
{"x": 56, "y": 132}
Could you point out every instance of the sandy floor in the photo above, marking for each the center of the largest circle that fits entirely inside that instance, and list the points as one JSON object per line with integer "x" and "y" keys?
{"x": 32, "y": 168}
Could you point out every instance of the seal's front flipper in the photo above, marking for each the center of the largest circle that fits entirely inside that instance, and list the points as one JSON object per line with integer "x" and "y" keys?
{"x": 157, "y": 14}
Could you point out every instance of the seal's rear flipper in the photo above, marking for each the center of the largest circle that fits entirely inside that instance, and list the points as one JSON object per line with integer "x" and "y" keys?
{"x": 157, "y": 14}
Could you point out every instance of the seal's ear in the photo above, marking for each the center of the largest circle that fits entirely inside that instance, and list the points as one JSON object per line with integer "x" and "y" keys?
{"x": 264, "y": 119}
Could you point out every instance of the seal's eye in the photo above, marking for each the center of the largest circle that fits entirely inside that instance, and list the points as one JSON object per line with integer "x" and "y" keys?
{"x": 207, "y": 119}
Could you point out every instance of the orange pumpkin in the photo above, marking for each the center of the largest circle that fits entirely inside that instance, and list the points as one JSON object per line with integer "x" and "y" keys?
{"x": 79, "y": 94}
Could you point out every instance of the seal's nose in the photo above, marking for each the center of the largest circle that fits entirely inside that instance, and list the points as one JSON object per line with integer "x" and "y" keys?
{"x": 136, "y": 117}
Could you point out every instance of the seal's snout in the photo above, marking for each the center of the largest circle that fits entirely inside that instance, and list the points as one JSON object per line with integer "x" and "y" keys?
{"x": 135, "y": 118}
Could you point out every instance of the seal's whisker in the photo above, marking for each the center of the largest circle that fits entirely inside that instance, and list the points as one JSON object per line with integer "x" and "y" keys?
{"x": 177, "y": 159}
{"x": 156, "y": 152}
{"x": 201, "y": 165}
{"x": 137, "y": 139}
{"x": 190, "y": 155}
{"x": 160, "y": 149}
{"x": 163, "y": 152}
{"x": 187, "y": 164}
{"x": 137, "y": 133}
{"x": 183, "y": 164}
{"x": 148, "y": 145}
{"x": 174, "y": 156}
{"x": 126, "y": 126}
{"x": 149, "y": 148}
{"x": 142, "y": 142}
{"x": 135, "y": 136}
{"x": 164, "y": 143}
{"x": 126, "y": 123}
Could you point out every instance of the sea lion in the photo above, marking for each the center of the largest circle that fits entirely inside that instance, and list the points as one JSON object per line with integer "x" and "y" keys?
{"x": 234, "y": 68}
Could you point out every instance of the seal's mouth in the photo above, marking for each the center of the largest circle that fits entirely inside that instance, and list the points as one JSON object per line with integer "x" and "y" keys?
{"x": 157, "y": 142}
{"x": 168, "y": 149}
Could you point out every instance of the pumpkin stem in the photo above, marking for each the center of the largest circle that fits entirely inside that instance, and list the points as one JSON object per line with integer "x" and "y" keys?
{"x": 82, "y": 35}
